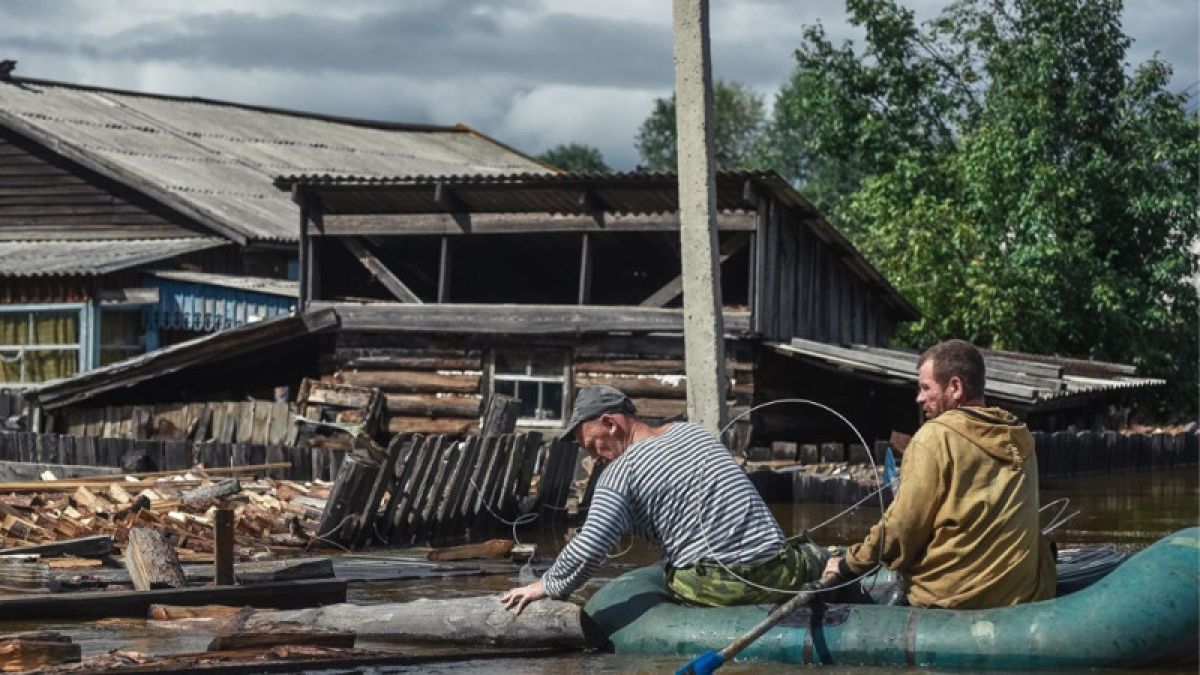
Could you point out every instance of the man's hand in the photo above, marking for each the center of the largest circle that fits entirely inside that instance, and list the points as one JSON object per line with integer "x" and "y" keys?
{"x": 833, "y": 568}
{"x": 520, "y": 597}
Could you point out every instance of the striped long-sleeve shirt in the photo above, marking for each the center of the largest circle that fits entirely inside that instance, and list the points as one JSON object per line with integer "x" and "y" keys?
{"x": 681, "y": 490}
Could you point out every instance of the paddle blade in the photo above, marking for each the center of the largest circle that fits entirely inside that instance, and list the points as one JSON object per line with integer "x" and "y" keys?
{"x": 705, "y": 664}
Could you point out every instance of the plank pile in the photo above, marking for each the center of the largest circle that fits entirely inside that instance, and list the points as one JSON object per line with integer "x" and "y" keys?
{"x": 279, "y": 516}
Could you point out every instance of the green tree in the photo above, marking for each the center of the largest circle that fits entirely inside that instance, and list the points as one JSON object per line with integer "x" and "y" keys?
{"x": 1009, "y": 175}
{"x": 576, "y": 158}
{"x": 740, "y": 119}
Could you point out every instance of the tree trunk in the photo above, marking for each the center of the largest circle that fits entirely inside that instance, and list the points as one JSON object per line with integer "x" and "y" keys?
{"x": 151, "y": 561}
{"x": 464, "y": 620}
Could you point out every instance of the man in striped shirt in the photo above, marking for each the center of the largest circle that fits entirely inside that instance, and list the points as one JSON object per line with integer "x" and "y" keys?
{"x": 676, "y": 486}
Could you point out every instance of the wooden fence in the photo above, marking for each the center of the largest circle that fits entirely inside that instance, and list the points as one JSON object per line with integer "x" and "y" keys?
{"x": 448, "y": 490}
{"x": 259, "y": 422}
{"x": 1059, "y": 453}
{"x": 19, "y": 446}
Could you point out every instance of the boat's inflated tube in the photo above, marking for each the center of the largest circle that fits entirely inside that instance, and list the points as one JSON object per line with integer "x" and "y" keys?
{"x": 1144, "y": 613}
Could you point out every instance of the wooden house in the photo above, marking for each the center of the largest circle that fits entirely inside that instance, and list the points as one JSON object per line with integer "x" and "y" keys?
{"x": 129, "y": 221}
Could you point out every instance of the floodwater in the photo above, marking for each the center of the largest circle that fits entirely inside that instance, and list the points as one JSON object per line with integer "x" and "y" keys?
{"x": 1129, "y": 510}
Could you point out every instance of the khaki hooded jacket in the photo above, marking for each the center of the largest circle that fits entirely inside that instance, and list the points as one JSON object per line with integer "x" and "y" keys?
{"x": 964, "y": 524}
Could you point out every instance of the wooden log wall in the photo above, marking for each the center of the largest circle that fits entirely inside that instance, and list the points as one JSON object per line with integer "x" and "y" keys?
{"x": 19, "y": 446}
{"x": 427, "y": 390}
{"x": 260, "y": 422}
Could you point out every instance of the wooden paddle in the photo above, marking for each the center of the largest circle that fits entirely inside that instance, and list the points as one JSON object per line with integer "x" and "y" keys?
{"x": 708, "y": 662}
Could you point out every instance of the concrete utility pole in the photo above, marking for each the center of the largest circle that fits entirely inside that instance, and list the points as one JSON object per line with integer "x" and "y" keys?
{"x": 703, "y": 324}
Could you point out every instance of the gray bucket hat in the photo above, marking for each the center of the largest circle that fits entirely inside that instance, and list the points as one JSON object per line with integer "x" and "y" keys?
{"x": 592, "y": 402}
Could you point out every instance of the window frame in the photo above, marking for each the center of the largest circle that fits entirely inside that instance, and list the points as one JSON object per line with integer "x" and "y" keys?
{"x": 83, "y": 347}
{"x": 563, "y": 379}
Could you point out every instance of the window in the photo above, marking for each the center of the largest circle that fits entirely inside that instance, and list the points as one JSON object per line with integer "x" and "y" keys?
{"x": 121, "y": 335}
{"x": 538, "y": 379}
{"x": 39, "y": 344}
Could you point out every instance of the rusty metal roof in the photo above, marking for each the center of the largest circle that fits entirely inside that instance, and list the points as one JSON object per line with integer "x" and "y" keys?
{"x": 213, "y": 161}
{"x": 1033, "y": 380}
{"x": 92, "y": 257}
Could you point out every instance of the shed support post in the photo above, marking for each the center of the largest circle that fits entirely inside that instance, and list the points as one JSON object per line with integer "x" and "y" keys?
{"x": 585, "y": 269}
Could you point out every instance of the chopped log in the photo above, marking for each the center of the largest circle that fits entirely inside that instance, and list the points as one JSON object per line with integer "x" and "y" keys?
{"x": 224, "y": 488}
{"x": 175, "y": 612}
{"x": 493, "y": 549}
{"x": 464, "y": 620}
{"x": 283, "y": 633}
{"x": 340, "y": 519}
{"x": 151, "y": 561}
{"x": 83, "y": 547}
{"x": 500, "y": 417}
{"x": 35, "y": 650}
{"x": 284, "y": 570}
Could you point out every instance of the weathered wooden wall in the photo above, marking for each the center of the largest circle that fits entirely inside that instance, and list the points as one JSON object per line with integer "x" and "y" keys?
{"x": 166, "y": 455}
{"x": 40, "y": 199}
{"x": 806, "y": 288}
{"x": 262, "y": 422}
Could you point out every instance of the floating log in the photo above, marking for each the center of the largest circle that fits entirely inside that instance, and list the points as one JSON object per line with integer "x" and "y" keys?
{"x": 175, "y": 613}
{"x": 493, "y": 549}
{"x": 36, "y": 650}
{"x": 479, "y": 620}
{"x": 283, "y": 633}
{"x": 151, "y": 561}
{"x": 103, "y": 604}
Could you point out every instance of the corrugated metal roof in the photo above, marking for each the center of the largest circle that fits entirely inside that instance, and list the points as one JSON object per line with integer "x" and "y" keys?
{"x": 283, "y": 287}
{"x": 1027, "y": 379}
{"x": 215, "y": 160}
{"x": 92, "y": 257}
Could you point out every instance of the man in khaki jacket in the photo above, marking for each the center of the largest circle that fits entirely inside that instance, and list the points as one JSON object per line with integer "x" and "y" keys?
{"x": 964, "y": 525}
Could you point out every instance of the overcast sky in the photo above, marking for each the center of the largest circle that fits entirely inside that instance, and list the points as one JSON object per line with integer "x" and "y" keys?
{"x": 533, "y": 73}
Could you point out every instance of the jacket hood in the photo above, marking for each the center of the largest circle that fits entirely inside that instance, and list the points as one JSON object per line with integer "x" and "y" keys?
{"x": 994, "y": 430}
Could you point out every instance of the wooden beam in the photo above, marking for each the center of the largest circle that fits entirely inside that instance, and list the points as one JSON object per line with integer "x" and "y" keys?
{"x": 444, "y": 271}
{"x": 585, "y": 269}
{"x": 382, "y": 224}
{"x": 674, "y": 287}
{"x": 515, "y": 319}
{"x": 103, "y": 604}
{"x": 380, "y": 271}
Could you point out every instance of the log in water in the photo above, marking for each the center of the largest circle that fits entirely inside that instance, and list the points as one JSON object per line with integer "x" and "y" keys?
{"x": 547, "y": 623}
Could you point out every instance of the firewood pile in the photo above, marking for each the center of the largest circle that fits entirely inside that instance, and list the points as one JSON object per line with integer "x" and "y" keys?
{"x": 272, "y": 517}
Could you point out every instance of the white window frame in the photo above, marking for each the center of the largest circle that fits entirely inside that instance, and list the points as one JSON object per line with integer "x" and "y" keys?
{"x": 563, "y": 380}
{"x": 85, "y": 350}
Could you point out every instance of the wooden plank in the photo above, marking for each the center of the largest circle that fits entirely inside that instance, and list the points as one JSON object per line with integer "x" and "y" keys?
{"x": 433, "y": 495}
{"x": 460, "y": 456}
{"x": 412, "y": 381}
{"x": 380, "y": 271}
{"x": 445, "y": 269}
{"x": 515, "y": 319}
{"x": 81, "y": 547}
{"x": 425, "y": 447}
{"x": 493, "y": 456}
{"x": 455, "y": 523}
{"x": 498, "y": 223}
{"x": 401, "y": 470}
{"x": 384, "y": 482}
{"x": 104, "y": 604}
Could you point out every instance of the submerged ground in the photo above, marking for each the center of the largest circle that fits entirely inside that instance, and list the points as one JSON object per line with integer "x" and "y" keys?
{"x": 1129, "y": 510}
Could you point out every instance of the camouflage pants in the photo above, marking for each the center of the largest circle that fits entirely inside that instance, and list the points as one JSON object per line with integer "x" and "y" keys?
{"x": 710, "y": 585}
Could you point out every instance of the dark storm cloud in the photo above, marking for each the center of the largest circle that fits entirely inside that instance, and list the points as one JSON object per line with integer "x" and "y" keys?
{"x": 428, "y": 40}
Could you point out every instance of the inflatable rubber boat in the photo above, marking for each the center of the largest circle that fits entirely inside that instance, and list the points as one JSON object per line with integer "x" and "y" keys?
{"x": 1143, "y": 613}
